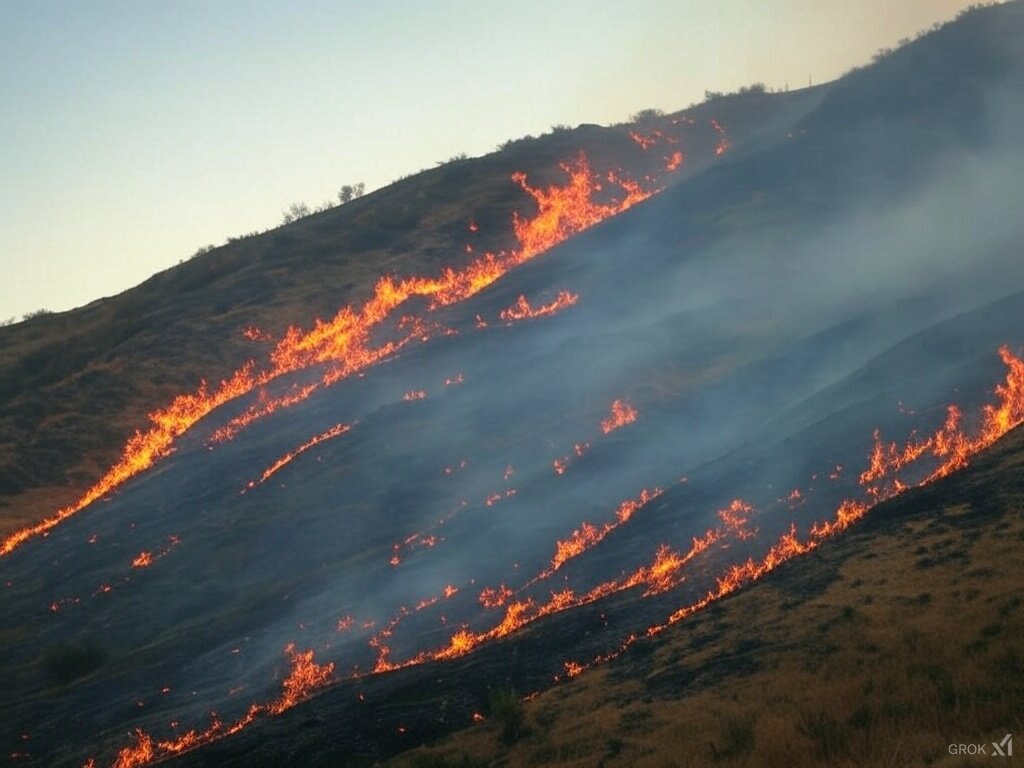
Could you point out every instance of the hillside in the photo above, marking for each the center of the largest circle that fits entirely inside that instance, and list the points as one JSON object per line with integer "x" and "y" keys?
{"x": 572, "y": 446}
{"x": 75, "y": 385}
{"x": 882, "y": 648}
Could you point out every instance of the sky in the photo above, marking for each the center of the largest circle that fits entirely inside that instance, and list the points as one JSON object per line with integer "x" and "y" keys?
{"x": 136, "y": 131}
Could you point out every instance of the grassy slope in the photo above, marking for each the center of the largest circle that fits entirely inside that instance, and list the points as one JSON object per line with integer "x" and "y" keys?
{"x": 880, "y": 649}
{"x": 75, "y": 385}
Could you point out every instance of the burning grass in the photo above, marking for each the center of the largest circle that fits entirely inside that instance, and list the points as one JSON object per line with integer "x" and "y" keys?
{"x": 855, "y": 655}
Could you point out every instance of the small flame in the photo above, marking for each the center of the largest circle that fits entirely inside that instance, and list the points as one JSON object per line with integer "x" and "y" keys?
{"x": 522, "y": 310}
{"x": 277, "y": 466}
{"x": 143, "y": 560}
{"x": 622, "y": 413}
{"x": 305, "y": 677}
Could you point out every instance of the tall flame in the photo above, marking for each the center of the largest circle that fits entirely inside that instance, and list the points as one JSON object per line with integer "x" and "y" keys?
{"x": 343, "y": 343}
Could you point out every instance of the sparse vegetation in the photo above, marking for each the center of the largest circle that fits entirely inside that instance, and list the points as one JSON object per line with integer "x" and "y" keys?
{"x": 350, "y": 192}
{"x": 885, "y": 679}
{"x": 647, "y": 115}
{"x": 746, "y": 90}
{"x": 510, "y": 143}
{"x": 457, "y": 158}
{"x": 36, "y": 313}
{"x": 294, "y": 212}
{"x": 246, "y": 236}
{"x": 507, "y": 709}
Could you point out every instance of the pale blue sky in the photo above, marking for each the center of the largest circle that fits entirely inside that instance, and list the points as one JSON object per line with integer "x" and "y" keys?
{"x": 135, "y": 131}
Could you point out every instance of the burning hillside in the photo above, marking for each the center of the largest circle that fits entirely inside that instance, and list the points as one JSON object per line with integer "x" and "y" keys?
{"x": 657, "y": 395}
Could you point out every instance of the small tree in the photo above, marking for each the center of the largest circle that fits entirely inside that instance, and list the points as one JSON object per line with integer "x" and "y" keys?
{"x": 350, "y": 192}
{"x": 294, "y": 212}
{"x": 647, "y": 115}
{"x": 36, "y": 313}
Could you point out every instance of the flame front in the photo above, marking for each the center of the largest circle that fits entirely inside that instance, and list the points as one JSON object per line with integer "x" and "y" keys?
{"x": 343, "y": 343}
{"x": 305, "y": 677}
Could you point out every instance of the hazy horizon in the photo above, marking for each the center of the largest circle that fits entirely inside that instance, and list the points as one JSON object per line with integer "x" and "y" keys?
{"x": 136, "y": 134}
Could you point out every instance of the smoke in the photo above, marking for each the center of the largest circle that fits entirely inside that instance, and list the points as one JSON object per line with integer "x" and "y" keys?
{"x": 760, "y": 328}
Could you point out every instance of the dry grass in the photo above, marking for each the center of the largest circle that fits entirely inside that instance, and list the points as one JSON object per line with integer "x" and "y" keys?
{"x": 914, "y": 644}
{"x": 75, "y": 385}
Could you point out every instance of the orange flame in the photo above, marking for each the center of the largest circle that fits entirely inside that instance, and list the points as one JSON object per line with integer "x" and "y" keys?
{"x": 344, "y": 341}
{"x": 572, "y": 668}
{"x": 252, "y": 333}
{"x": 622, "y": 413}
{"x": 494, "y": 498}
{"x": 735, "y": 517}
{"x": 335, "y": 431}
{"x": 723, "y": 141}
{"x": 305, "y": 677}
{"x": 948, "y": 443}
{"x": 495, "y": 597}
{"x": 649, "y": 140}
{"x": 143, "y": 560}
{"x": 522, "y": 310}
{"x": 262, "y": 408}
{"x": 588, "y": 535}
{"x": 144, "y": 449}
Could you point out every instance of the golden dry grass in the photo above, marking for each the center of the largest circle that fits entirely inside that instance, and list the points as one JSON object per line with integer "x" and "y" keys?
{"x": 879, "y": 650}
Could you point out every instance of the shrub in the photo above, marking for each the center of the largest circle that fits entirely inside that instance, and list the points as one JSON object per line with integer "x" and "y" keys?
{"x": 507, "y": 709}
{"x": 294, "y": 212}
{"x": 350, "y": 192}
{"x": 647, "y": 115}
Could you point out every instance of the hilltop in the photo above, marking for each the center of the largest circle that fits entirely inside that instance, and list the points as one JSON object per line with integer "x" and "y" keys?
{"x": 75, "y": 385}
